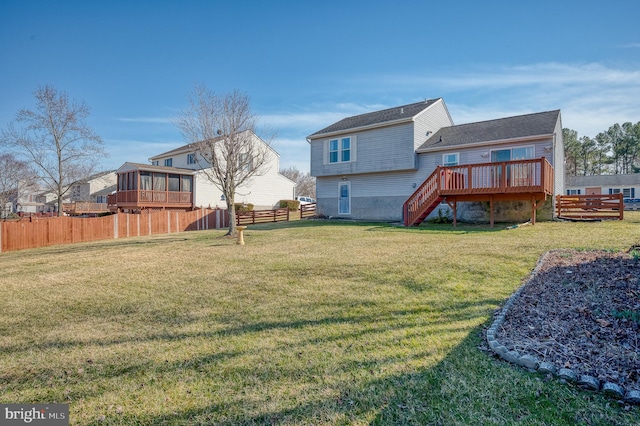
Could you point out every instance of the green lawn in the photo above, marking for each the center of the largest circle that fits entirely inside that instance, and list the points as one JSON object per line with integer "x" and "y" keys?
{"x": 311, "y": 322}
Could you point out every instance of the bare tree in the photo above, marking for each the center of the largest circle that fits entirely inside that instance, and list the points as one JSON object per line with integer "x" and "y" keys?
{"x": 305, "y": 183}
{"x": 14, "y": 176}
{"x": 55, "y": 139}
{"x": 221, "y": 130}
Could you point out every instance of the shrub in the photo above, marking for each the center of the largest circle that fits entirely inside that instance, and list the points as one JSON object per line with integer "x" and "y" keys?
{"x": 292, "y": 205}
{"x": 442, "y": 218}
{"x": 243, "y": 207}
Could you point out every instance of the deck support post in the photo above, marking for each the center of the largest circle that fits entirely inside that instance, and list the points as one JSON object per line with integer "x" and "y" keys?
{"x": 534, "y": 206}
{"x": 491, "y": 210}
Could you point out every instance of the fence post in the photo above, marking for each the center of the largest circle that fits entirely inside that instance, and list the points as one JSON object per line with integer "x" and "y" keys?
{"x": 0, "y": 237}
{"x": 621, "y": 205}
{"x": 115, "y": 226}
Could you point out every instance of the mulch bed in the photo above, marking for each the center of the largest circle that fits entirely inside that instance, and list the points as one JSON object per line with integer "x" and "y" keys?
{"x": 581, "y": 311}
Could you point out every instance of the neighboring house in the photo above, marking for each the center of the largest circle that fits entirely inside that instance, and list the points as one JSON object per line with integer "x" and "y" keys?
{"x": 93, "y": 189}
{"x": 628, "y": 185}
{"x": 382, "y": 165}
{"x": 8, "y": 208}
{"x": 175, "y": 181}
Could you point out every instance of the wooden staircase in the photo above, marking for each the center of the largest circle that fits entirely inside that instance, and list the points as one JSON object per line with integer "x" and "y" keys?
{"x": 429, "y": 195}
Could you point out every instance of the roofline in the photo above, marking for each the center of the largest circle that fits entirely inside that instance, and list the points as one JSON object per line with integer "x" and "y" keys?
{"x": 377, "y": 125}
{"x": 488, "y": 142}
{"x": 188, "y": 148}
{"x": 361, "y": 128}
{"x": 180, "y": 150}
{"x": 152, "y": 168}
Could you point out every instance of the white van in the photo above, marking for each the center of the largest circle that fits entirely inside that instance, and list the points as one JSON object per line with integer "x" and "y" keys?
{"x": 305, "y": 200}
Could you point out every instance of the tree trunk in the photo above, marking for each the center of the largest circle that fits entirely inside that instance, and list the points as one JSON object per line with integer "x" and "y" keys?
{"x": 231, "y": 208}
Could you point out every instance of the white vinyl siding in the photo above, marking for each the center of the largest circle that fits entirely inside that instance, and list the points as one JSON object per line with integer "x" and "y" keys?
{"x": 385, "y": 149}
{"x": 430, "y": 121}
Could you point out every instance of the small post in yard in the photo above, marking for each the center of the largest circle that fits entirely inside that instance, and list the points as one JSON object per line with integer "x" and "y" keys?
{"x": 240, "y": 230}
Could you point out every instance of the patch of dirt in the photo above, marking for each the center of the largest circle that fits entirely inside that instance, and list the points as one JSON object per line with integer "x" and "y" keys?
{"x": 581, "y": 311}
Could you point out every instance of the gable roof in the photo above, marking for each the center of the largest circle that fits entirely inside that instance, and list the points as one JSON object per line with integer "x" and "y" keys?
{"x": 603, "y": 180}
{"x": 502, "y": 129}
{"x": 128, "y": 167}
{"x": 188, "y": 148}
{"x": 403, "y": 113}
{"x": 96, "y": 176}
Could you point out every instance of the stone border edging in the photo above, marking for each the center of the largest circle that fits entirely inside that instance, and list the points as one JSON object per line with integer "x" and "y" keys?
{"x": 533, "y": 364}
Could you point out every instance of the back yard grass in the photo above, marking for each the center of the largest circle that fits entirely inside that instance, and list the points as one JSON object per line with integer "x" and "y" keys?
{"x": 311, "y": 322}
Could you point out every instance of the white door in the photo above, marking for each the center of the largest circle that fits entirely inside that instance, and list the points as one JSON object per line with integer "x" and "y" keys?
{"x": 344, "y": 198}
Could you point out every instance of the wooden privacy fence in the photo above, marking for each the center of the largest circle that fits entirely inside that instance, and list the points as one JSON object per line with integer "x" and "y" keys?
{"x": 604, "y": 206}
{"x": 40, "y": 232}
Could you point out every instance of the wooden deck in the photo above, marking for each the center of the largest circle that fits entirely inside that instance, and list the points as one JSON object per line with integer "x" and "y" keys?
{"x": 509, "y": 180}
{"x": 82, "y": 208}
{"x": 148, "y": 199}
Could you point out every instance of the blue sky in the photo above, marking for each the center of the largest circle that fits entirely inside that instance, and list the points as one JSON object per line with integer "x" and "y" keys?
{"x": 307, "y": 64}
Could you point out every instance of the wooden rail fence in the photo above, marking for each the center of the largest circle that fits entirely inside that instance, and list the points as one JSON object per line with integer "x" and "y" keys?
{"x": 262, "y": 216}
{"x": 39, "y": 232}
{"x": 590, "y": 207}
{"x": 307, "y": 210}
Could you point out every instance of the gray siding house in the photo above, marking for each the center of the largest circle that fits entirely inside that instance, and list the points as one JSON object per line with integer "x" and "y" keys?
{"x": 368, "y": 166}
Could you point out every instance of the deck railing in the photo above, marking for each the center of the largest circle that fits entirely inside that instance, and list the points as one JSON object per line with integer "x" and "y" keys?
{"x": 506, "y": 177}
{"x": 149, "y": 197}
{"x": 84, "y": 207}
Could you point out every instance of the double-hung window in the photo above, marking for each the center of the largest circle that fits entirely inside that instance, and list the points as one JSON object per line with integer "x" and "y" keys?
{"x": 168, "y": 162}
{"x": 626, "y": 192}
{"x": 245, "y": 161}
{"x": 191, "y": 159}
{"x": 340, "y": 150}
